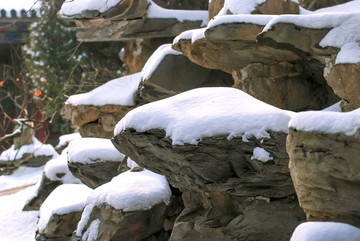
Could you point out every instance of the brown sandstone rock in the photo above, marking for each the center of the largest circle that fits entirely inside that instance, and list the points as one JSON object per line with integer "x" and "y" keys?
{"x": 226, "y": 194}
{"x": 343, "y": 79}
{"x": 94, "y": 121}
{"x": 316, "y": 4}
{"x": 277, "y": 7}
{"x": 325, "y": 168}
{"x": 284, "y": 61}
{"x": 214, "y": 7}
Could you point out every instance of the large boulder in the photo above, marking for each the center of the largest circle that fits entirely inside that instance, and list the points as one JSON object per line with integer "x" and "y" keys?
{"x": 94, "y": 161}
{"x": 228, "y": 159}
{"x": 61, "y": 212}
{"x": 324, "y": 148}
{"x": 132, "y": 206}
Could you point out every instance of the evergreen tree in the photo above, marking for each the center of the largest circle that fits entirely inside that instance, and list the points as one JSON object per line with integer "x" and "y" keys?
{"x": 59, "y": 65}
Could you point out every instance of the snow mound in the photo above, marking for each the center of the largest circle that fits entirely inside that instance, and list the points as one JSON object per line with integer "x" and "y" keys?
{"x": 21, "y": 177}
{"x": 59, "y": 166}
{"x": 115, "y": 92}
{"x": 261, "y": 154}
{"x": 90, "y": 150}
{"x": 37, "y": 148}
{"x": 327, "y": 121}
{"x": 64, "y": 199}
{"x": 205, "y": 112}
{"x": 129, "y": 191}
{"x": 325, "y": 231}
{"x": 240, "y": 7}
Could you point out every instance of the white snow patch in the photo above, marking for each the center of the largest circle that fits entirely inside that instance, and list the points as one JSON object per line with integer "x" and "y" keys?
{"x": 90, "y": 150}
{"x": 74, "y": 7}
{"x": 16, "y": 225}
{"x": 261, "y": 20}
{"x": 261, "y": 154}
{"x": 131, "y": 164}
{"x": 92, "y": 232}
{"x": 64, "y": 199}
{"x": 64, "y": 140}
{"x": 205, "y": 112}
{"x": 21, "y": 177}
{"x": 335, "y": 107}
{"x": 155, "y": 59}
{"x": 327, "y": 121}
{"x": 325, "y": 231}
{"x": 59, "y": 166}
{"x": 115, "y": 92}
{"x": 349, "y": 53}
{"x": 240, "y": 6}
{"x": 193, "y": 35}
{"x": 129, "y": 191}
{"x": 155, "y": 11}
{"x": 37, "y": 148}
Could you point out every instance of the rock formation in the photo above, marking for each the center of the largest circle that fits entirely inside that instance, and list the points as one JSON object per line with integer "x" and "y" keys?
{"x": 324, "y": 165}
{"x": 227, "y": 192}
{"x": 94, "y": 161}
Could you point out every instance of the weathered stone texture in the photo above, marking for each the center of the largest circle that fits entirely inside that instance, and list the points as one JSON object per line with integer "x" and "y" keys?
{"x": 325, "y": 170}
{"x": 316, "y": 4}
{"x": 225, "y": 193}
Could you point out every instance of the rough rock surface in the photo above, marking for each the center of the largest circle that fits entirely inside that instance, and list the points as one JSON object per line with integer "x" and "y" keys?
{"x": 95, "y": 174}
{"x": 343, "y": 79}
{"x": 285, "y": 61}
{"x": 94, "y": 121}
{"x": 226, "y": 194}
{"x": 176, "y": 74}
{"x": 325, "y": 168}
{"x": 316, "y": 4}
{"x": 135, "y": 226}
{"x": 60, "y": 227}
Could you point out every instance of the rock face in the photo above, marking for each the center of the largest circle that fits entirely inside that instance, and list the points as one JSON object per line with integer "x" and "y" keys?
{"x": 226, "y": 194}
{"x": 325, "y": 168}
{"x": 94, "y": 121}
{"x": 316, "y": 4}
{"x": 343, "y": 79}
{"x": 174, "y": 74}
{"x": 271, "y": 62}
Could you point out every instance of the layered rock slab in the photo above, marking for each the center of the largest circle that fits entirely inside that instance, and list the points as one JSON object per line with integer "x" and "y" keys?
{"x": 209, "y": 153}
{"x": 324, "y": 149}
{"x": 130, "y": 207}
{"x": 260, "y": 64}
{"x": 94, "y": 161}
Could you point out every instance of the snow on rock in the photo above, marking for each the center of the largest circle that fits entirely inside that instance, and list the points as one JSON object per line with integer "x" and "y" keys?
{"x": 115, "y": 92}
{"x": 261, "y": 154}
{"x": 37, "y": 148}
{"x": 325, "y": 231}
{"x": 327, "y": 121}
{"x": 129, "y": 191}
{"x": 58, "y": 166}
{"x": 21, "y": 177}
{"x": 155, "y": 11}
{"x": 193, "y": 35}
{"x": 64, "y": 199}
{"x": 335, "y": 107}
{"x": 240, "y": 7}
{"x": 155, "y": 59}
{"x": 261, "y": 20}
{"x": 16, "y": 225}
{"x": 73, "y": 7}
{"x": 205, "y": 112}
{"x": 90, "y": 150}
{"x": 64, "y": 140}
{"x": 92, "y": 232}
